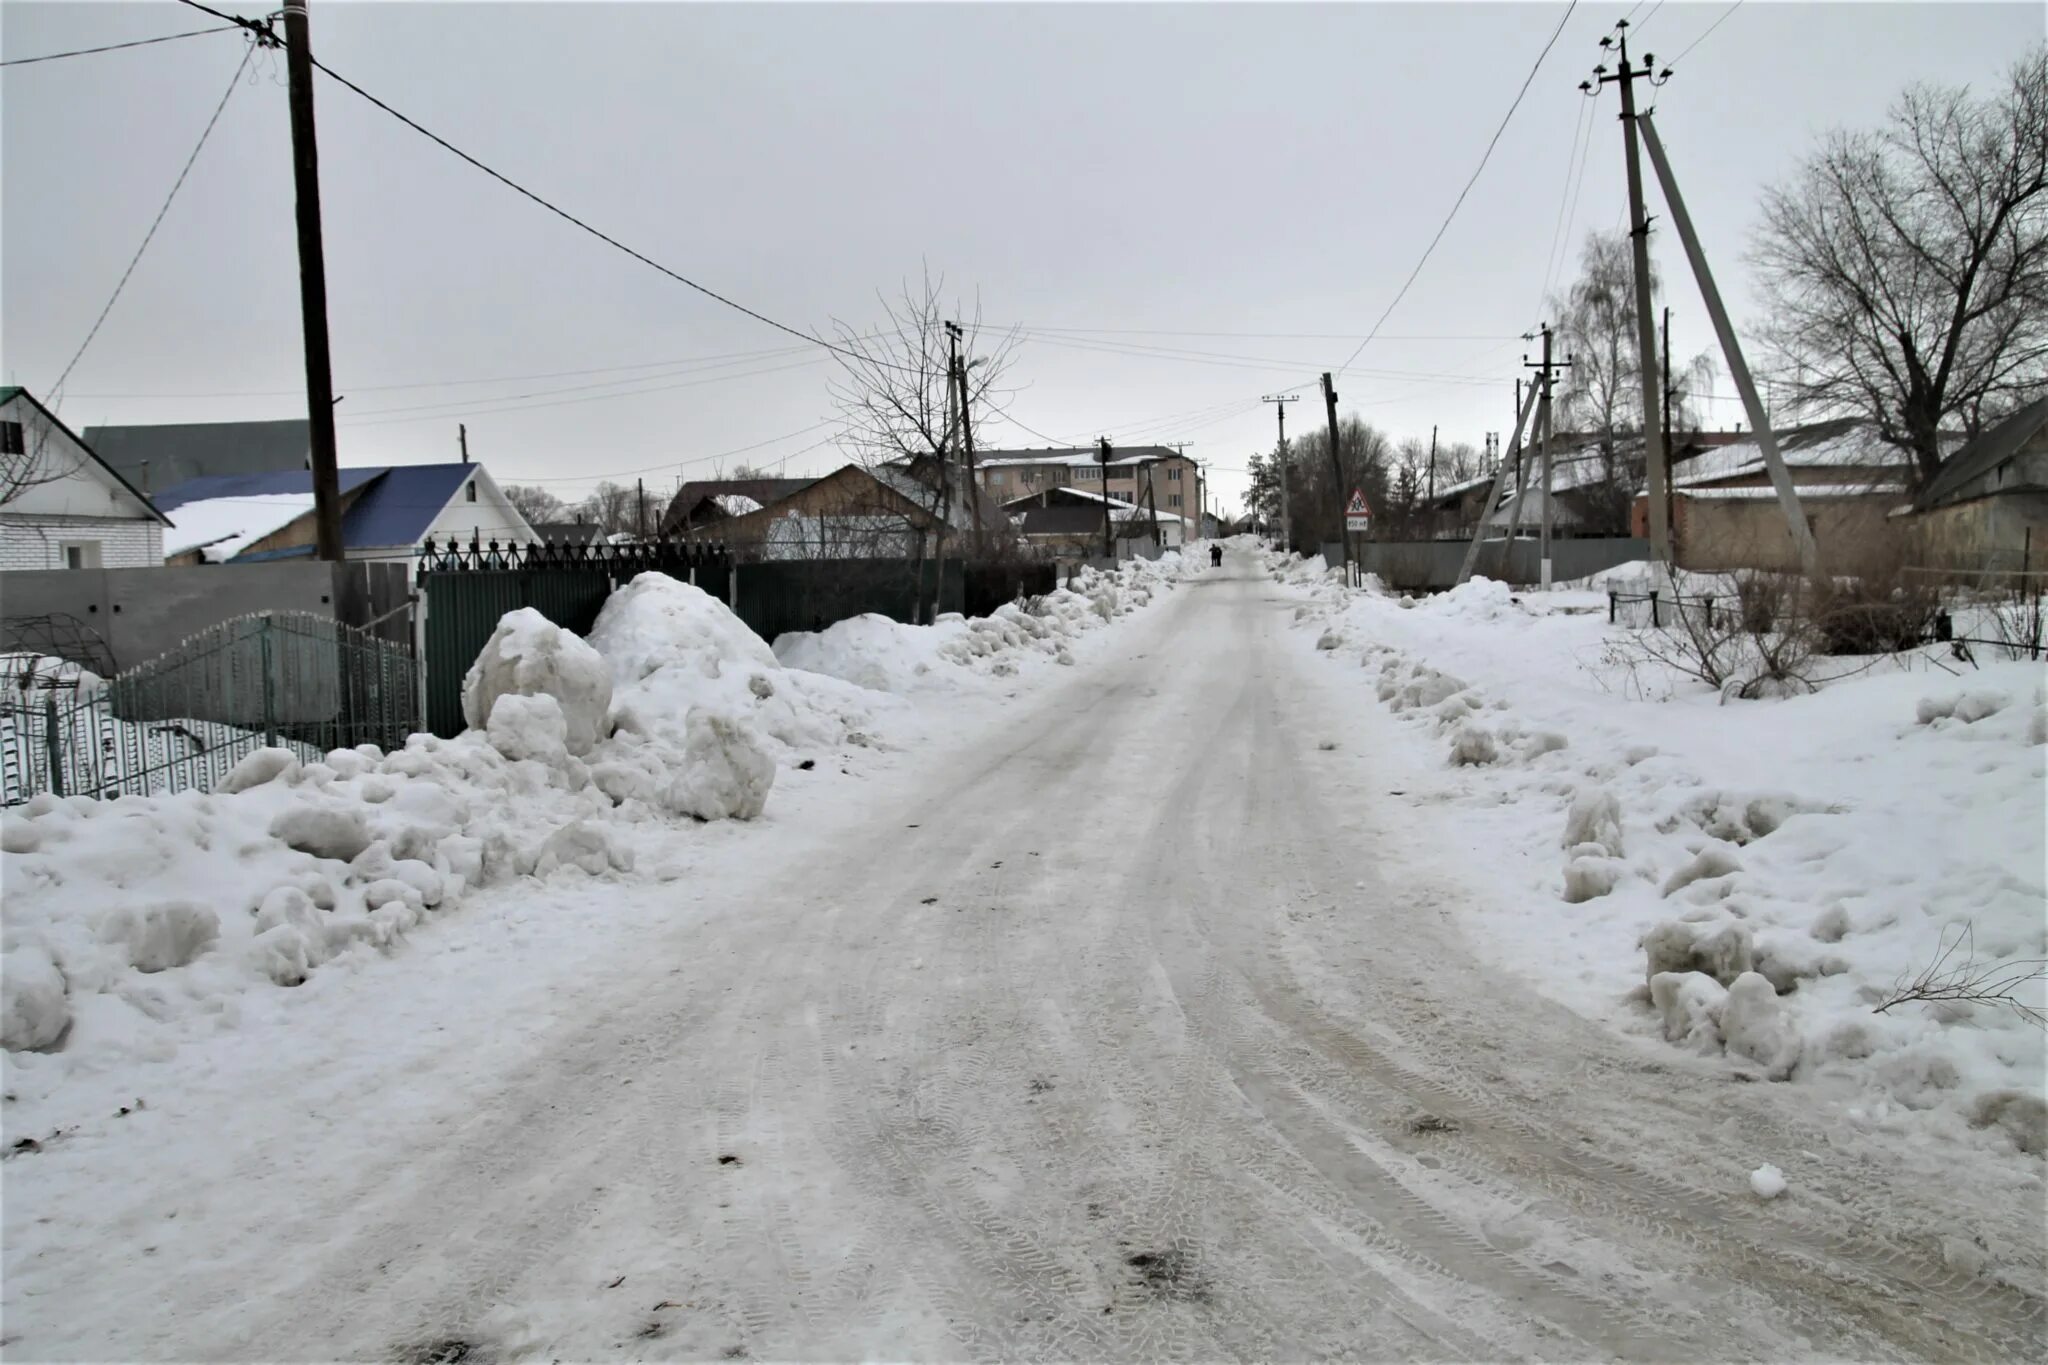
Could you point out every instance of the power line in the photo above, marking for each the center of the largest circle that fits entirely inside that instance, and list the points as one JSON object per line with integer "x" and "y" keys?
{"x": 614, "y": 242}
{"x": 116, "y": 47}
{"x": 697, "y": 459}
{"x": 1581, "y": 138}
{"x": 1483, "y": 159}
{"x": 57, "y": 389}
{"x": 371, "y": 419}
{"x": 260, "y": 27}
{"x": 1703, "y": 37}
{"x": 1261, "y": 336}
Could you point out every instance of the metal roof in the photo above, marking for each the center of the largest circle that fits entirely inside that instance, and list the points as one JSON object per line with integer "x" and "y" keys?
{"x": 397, "y": 505}
{"x": 1984, "y": 454}
{"x": 180, "y": 451}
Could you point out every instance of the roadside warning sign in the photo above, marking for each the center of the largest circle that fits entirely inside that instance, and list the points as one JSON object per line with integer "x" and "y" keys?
{"x": 1357, "y": 516}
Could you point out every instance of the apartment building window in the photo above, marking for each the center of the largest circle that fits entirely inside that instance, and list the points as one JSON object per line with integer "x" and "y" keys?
{"x": 1173, "y": 474}
{"x": 1173, "y": 499}
{"x": 1086, "y": 473}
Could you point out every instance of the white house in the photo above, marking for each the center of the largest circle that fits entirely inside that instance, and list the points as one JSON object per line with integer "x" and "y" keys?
{"x": 61, "y": 506}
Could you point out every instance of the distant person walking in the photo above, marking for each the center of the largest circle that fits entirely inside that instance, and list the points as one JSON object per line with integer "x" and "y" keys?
{"x": 1215, "y": 556}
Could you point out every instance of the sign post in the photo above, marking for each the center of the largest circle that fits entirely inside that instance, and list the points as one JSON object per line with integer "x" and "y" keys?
{"x": 1357, "y": 521}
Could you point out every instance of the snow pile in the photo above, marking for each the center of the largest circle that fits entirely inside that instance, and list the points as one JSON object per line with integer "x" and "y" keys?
{"x": 1752, "y": 881}
{"x": 132, "y": 924}
{"x": 877, "y": 653}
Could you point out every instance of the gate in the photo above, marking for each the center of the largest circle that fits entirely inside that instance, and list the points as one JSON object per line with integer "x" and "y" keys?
{"x": 183, "y": 719}
{"x": 466, "y": 589}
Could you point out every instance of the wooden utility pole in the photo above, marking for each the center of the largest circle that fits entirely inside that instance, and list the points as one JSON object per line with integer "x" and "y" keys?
{"x": 1336, "y": 469}
{"x": 313, "y": 283}
{"x": 462, "y": 439}
{"x": 966, "y": 426}
{"x": 1731, "y": 350}
{"x": 1646, "y": 328}
{"x": 1432, "y": 467}
{"x": 640, "y": 509}
{"x": 1281, "y": 400}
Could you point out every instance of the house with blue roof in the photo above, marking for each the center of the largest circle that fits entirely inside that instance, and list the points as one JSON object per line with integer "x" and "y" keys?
{"x": 388, "y": 513}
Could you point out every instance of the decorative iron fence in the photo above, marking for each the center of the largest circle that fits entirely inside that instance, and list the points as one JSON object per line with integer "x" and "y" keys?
{"x": 183, "y": 719}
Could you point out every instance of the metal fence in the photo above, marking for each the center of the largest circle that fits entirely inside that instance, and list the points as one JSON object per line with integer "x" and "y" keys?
{"x": 183, "y": 719}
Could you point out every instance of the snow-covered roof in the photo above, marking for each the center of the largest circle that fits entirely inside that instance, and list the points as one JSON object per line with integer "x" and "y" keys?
{"x": 996, "y": 459}
{"x": 1824, "y": 445}
{"x": 735, "y": 504}
{"x": 222, "y": 528}
{"x": 1760, "y": 493}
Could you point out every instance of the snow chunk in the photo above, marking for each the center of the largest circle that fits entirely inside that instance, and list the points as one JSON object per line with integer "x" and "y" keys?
{"x": 257, "y": 768}
{"x": 160, "y": 937}
{"x": 33, "y": 1010}
{"x": 1677, "y": 946}
{"x": 323, "y": 831}
{"x": 1767, "y": 1181}
{"x": 529, "y": 655}
{"x": 1715, "y": 860}
{"x": 1329, "y": 640}
{"x": 726, "y": 773}
{"x": 1754, "y": 1024}
{"x": 1590, "y": 877}
{"x": 1473, "y": 745}
{"x": 2023, "y": 1117}
{"x": 586, "y": 846}
{"x": 1691, "y": 1005}
{"x": 18, "y": 835}
{"x": 1594, "y": 818}
{"x": 522, "y": 727}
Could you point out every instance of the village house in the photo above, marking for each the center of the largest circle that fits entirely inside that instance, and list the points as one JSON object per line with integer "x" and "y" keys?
{"x": 1725, "y": 512}
{"x": 701, "y": 503}
{"x": 61, "y": 505}
{"x": 1070, "y": 521}
{"x": 1157, "y": 476}
{"x": 388, "y": 513}
{"x": 1987, "y": 506}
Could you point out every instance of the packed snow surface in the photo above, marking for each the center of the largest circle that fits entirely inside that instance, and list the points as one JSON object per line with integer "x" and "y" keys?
{"x": 1754, "y": 881}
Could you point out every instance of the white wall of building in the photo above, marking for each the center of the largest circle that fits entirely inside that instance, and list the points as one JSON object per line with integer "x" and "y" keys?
{"x": 71, "y": 502}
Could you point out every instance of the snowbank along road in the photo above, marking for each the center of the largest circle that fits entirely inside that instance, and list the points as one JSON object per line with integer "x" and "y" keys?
{"x": 1135, "y": 1029}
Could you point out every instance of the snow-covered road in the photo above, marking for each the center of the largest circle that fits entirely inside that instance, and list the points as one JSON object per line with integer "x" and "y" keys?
{"x": 1134, "y": 1025}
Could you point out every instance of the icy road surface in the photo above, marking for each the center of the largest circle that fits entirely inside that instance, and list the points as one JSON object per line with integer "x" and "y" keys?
{"x": 1130, "y": 1026}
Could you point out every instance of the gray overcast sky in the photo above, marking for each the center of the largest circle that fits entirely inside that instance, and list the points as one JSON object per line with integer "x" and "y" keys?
{"x": 1135, "y": 169}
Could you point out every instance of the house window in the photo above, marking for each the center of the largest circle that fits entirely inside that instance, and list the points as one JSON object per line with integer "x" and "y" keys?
{"x": 11, "y": 440}
{"x": 470, "y": 490}
{"x": 1086, "y": 473}
{"x": 78, "y": 554}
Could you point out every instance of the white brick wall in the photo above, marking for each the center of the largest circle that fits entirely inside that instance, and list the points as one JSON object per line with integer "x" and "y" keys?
{"x": 32, "y": 542}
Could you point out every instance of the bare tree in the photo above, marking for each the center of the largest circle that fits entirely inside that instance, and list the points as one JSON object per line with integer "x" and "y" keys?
{"x": 896, "y": 397}
{"x": 611, "y": 507}
{"x": 1601, "y": 396}
{"x": 535, "y": 503}
{"x": 1906, "y": 270}
{"x": 1316, "y": 492}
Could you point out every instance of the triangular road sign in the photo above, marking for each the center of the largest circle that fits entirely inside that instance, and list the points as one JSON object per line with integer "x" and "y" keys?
{"x": 1356, "y": 507}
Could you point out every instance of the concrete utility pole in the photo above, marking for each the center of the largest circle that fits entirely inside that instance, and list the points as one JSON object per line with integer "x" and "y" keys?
{"x": 1670, "y": 451}
{"x": 1336, "y": 469}
{"x": 1543, "y": 427}
{"x": 1639, "y": 239}
{"x": 298, "y": 58}
{"x": 1731, "y": 350}
{"x": 1281, "y": 400}
{"x": 1500, "y": 476}
{"x": 960, "y": 368}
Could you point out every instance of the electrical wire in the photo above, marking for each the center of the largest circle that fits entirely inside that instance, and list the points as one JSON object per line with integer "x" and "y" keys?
{"x": 57, "y": 389}
{"x": 1256, "y": 336}
{"x": 1455, "y": 206}
{"x": 1703, "y": 37}
{"x": 117, "y": 47}
{"x": 508, "y": 398}
{"x": 694, "y": 460}
{"x": 370, "y": 420}
{"x": 1581, "y": 142}
{"x": 253, "y": 25}
{"x": 611, "y": 241}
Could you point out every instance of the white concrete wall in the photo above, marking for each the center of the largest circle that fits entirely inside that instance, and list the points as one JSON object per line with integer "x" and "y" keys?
{"x": 81, "y": 501}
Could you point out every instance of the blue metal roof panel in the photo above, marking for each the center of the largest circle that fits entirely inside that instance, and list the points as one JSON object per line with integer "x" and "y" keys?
{"x": 402, "y": 505}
